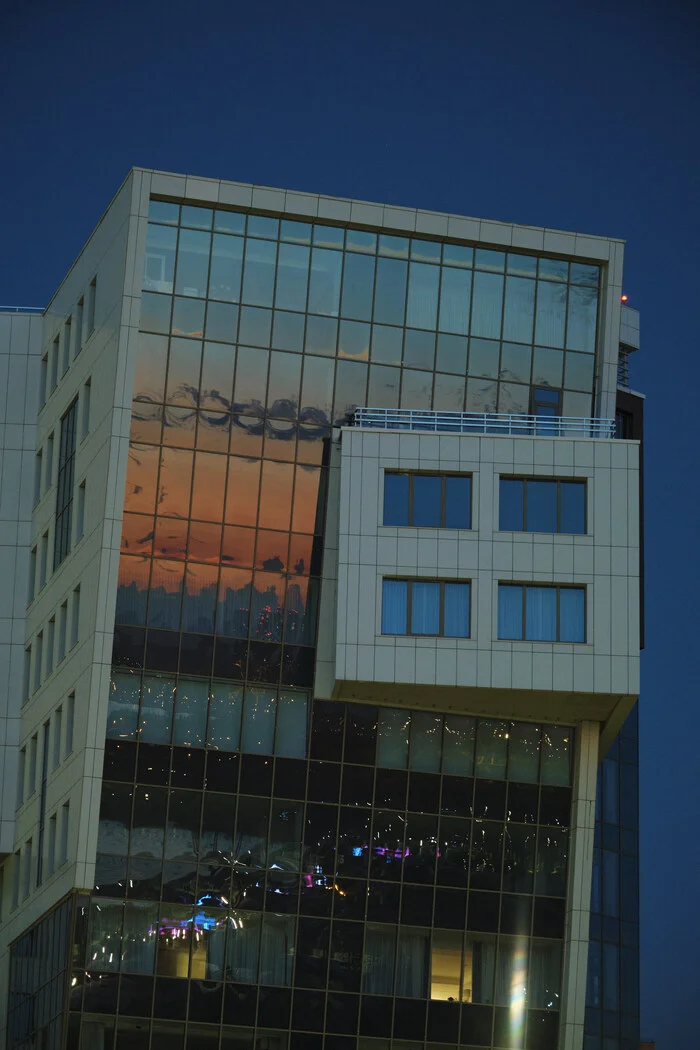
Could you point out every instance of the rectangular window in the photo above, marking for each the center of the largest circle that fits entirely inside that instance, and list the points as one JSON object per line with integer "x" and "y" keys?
{"x": 38, "y": 475}
{"x": 64, "y": 488}
{"x": 426, "y": 607}
{"x": 43, "y": 559}
{"x": 50, "y": 645}
{"x": 78, "y": 328}
{"x": 438, "y": 501}
{"x": 16, "y": 879}
{"x": 51, "y": 850}
{"x": 57, "y": 736}
{"x": 38, "y": 659}
{"x": 92, "y": 295}
{"x": 80, "y": 513}
{"x": 55, "y": 351}
{"x": 31, "y": 582}
{"x": 541, "y": 614}
{"x": 43, "y": 379}
{"x": 21, "y": 774}
{"x": 62, "y": 630}
{"x": 541, "y": 505}
{"x": 48, "y": 473}
{"x": 67, "y": 343}
{"x": 85, "y": 420}
{"x": 33, "y": 756}
{"x": 75, "y": 618}
{"x": 70, "y": 723}
{"x": 27, "y": 870}
{"x": 27, "y": 678}
{"x": 42, "y": 803}
{"x": 65, "y": 818}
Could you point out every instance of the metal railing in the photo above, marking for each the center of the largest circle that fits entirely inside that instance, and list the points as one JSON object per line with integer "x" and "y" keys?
{"x": 482, "y": 423}
{"x": 21, "y": 309}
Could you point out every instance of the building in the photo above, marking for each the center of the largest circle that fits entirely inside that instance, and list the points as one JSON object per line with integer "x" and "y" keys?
{"x": 326, "y": 549}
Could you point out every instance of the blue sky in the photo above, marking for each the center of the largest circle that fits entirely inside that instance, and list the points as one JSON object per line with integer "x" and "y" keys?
{"x": 581, "y": 116}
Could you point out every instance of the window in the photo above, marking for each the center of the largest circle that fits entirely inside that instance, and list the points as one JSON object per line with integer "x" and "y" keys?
{"x": 67, "y": 342}
{"x": 426, "y": 607}
{"x": 65, "y": 817}
{"x": 541, "y": 614}
{"x": 27, "y": 677}
{"x": 51, "y": 851}
{"x": 75, "y": 618}
{"x": 27, "y": 872}
{"x": 38, "y": 475}
{"x": 16, "y": 879}
{"x": 57, "y": 735}
{"x": 78, "y": 328}
{"x": 85, "y": 421}
{"x": 540, "y": 505}
{"x": 38, "y": 659}
{"x": 50, "y": 644}
{"x": 55, "y": 350}
{"x": 48, "y": 474}
{"x": 42, "y": 804}
{"x": 438, "y": 501}
{"x": 31, "y": 582}
{"x": 62, "y": 629}
{"x": 21, "y": 774}
{"x": 43, "y": 559}
{"x": 43, "y": 378}
{"x": 70, "y": 722}
{"x": 64, "y": 488}
{"x": 546, "y": 402}
{"x": 33, "y": 750}
{"x": 80, "y": 513}
{"x": 92, "y": 295}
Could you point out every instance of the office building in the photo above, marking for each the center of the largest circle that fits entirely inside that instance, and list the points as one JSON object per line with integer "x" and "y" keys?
{"x": 323, "y": 518}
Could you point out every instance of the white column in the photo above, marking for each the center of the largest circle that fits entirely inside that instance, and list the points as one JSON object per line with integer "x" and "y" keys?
{"x": 578, "y": 898}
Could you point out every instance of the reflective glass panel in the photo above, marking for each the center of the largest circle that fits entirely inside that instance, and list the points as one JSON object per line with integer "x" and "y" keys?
{"x": 541, "y": 614}
{"x": 396, "y": 499}
{"x": 425, "y": 608}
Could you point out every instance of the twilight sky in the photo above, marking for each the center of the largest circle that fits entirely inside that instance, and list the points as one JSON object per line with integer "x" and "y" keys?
{"x": 581, "y": 116}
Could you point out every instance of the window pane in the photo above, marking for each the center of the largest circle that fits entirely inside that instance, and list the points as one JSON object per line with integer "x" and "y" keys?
{"x": 456, "y": 611}
{"x": 458, "y": 745}
{"x": 291, "y": 725}
{"x": 277, "y": 949}
{"x": 510, "y": 611}
{"x": 511, "y": 504}
{"x": 541, "y": 614}
{"x": 541, "y": 506}
{"x": 392, "y": 739}
{"x": 412, "y": 964}
{"x": 572, "y": 498}
{"x": 192, "y": 263}
{"x": 491, "y": 749}
{"x": 422, "y": 306}
{"x": 427, "y": 500}
{"x": 556, "y": 755}
{"x": 259, "y": 721}
{"x": 191, "y": 712}
{"x": 390, "y": 296}
{"x": 479, "y": 969}
{"x": 156, "y": 710}
{"x": 259, "y": 273}
{"x": 324, "y": 287}
{"x": 378, "y": 960}
{"x": 458, "y": 492}
{"x": 396, "y": 499}
{"x": 225, "y": 716}
{"x": 159, "y": 265}
{"x": 425, "y": 608}
{"x": 519, "y": 309}
{"x": 572, "y": 618}
{"x": 455, "y": 291}
{"x": 358, "y": 287}
{"x": 583, "y": 309}
{"x": 487, "y": 301}
{"x": 446, "y": 965}
{"x": 551, "y": 313}
{"x": 426, "y": 740}
{"x": 122, "y": 716}
{"x": 524, "y": 752}
{"x": 394, "y": 606}
{"x": 292, "y": 277}
{"x": 226, "y": 267}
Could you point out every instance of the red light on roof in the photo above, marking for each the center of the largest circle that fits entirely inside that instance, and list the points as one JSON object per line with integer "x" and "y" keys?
{"x": 624, "y": 298}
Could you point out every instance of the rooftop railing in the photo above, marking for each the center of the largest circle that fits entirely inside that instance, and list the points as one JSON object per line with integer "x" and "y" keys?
{"x": 516, "y": 424}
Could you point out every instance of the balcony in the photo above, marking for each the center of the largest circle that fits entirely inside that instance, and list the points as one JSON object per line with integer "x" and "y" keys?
{"x": 515, "y": 425}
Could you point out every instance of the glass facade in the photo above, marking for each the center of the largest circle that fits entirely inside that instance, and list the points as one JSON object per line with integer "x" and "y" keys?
{"x": 275, "y": 871}
{"x": 612, "y": 993}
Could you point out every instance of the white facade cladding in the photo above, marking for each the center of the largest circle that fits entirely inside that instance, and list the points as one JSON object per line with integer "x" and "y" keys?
{"x": 68, "y": 415}
{"x": 597, "y": 678}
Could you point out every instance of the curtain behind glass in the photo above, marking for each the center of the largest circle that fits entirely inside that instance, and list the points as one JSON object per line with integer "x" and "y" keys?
{"x": 412, "y": 965}
{"x": 456, "y": 610}
{"x": 541, "y": 614}
{"x": 482, "y": 951}
{"x": 243, "y": 947}
{"x": 425, "y": 608}
{"x": 277, "y": 949}
{"x": 572, "y": 625}
{"x": 510, "y": 611}
{"x": 544, "y": 978}
{"x": 379, "y": 957}
{"x": 394, "y": 606}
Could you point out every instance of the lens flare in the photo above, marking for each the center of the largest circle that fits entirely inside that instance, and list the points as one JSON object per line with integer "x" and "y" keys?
{"x": 518, "y": 978}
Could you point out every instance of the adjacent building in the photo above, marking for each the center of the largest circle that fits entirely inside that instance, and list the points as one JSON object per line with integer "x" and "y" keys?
{"x": 324, "y": 524}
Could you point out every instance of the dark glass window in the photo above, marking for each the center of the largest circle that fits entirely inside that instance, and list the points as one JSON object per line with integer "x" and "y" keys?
{"x": 438, "y": 501}
{"x": 535, "y": 505}
{"x": 64, "y": 486}
{"x": 426, "y": 607}
{"x": 541, "y": 614}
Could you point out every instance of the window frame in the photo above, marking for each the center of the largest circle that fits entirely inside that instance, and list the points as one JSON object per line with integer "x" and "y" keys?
{"x": 442, "y": 475}
{"x": 410, "y": 580}
{"x": 558, "y": 587}
{"x": 558, "y": 481}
